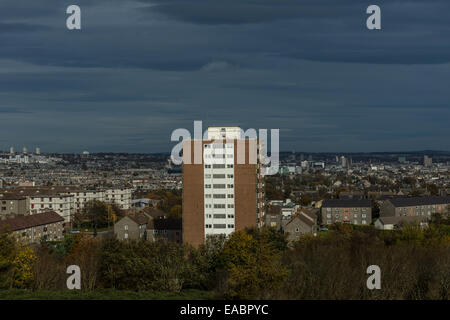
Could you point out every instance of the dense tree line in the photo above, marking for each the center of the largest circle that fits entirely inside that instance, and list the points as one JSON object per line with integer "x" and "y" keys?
{"x": 251, "y": 264}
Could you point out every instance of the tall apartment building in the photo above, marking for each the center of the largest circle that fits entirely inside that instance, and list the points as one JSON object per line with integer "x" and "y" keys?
{"x": 427, "y": 161}
{"x": 222, "y": 184}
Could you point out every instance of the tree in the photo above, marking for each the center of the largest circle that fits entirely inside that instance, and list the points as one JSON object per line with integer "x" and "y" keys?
{"x": 252, "y": 267}
{"x": 96, "y": 214}
{"x": 202, "y": 263}
{"x": 7, "y": 254}
{"x": 23, "y": 265}
{"x": 84, "y": 252}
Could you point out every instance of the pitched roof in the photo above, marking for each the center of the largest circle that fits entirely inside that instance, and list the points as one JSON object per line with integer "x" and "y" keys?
{"x": 346, "y": 203}
{"x": 155, "y": 213}
{"x": 140, "y": 218}
{"x": 419, "y": 201}
{"x": 306, "y": 219}
{"x": 306, "y": 216}
{"x": 391, "y": 196}
{"x": 34, "y": 220}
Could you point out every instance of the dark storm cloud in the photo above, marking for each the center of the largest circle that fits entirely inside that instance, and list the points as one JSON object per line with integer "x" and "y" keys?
{"x": 139, "y": 69}
{"x": 329, "y": 30}
{"x": 261, "y": 11}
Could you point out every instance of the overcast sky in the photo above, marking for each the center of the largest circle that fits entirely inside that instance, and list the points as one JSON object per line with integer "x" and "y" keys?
{"x": 140, "y": 69}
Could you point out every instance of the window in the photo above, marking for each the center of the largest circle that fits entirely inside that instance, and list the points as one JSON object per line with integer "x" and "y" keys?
{"x": 207, "y": 186}
{"x": 230, "y": 216}
{"x": 207, "y": 196}
{"x": 220, "y": 226}
{"x": 126, "y": 227}
{"x": 219, "y": 186}
{"x": 207, "y": 166}
{"x": 219, "y": 176}
{"x": 230, "y": 186}
{"x": 364, "y": 222}
{"x": 218, "y": 166}
{"x": 219, "y": 216}
{"x": 230, "y": 176}
{"x": 297, "y": 230}
{"x": 230, "y": 226}
{"x": 230, "y": 196}
{"x": 125, "y": 235}
{"x": 207, "y": 206}
{"x": 219, "y": 196}
{"x": 229, "y": 166}
{"x": 219, "y": 206}
{"x": 208, "y": 226}
{"x": 231, "y": 205}
{"x": 207, "y": 176}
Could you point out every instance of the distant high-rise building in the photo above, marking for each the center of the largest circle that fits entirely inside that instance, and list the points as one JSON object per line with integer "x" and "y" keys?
{"x": 11, "y": 150}
{"x": 343, "y": 162}
{"x": 38, "y": 150}
{"x": 221, "y": 193}
{"x": 25, "y": 150}
{"x": 427, "y": 161}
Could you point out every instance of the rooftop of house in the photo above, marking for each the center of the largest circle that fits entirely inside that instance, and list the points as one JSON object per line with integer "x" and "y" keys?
{"x": 305, "y": 216}
{"x": 29, "y": 221}
{"x": 419, "y": 201}
{"x": 140, "y": 218}
{"x": 346, "y": 203}
{"x": 154, "y": 212}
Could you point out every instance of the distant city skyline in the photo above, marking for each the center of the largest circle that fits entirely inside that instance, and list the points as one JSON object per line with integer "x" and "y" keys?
{"x": 305, "y": 152}
{"x": 140, "y": 69}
